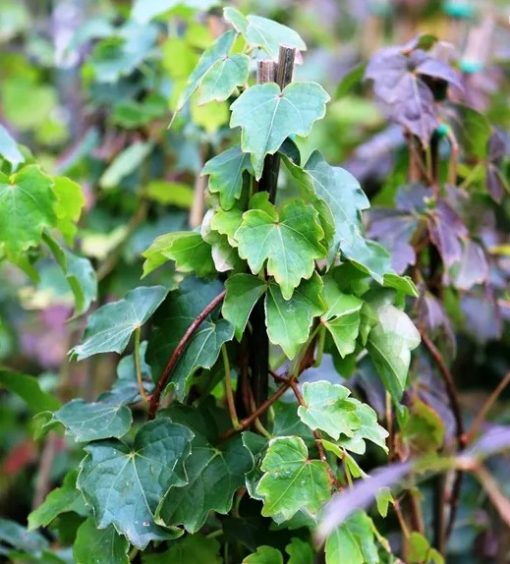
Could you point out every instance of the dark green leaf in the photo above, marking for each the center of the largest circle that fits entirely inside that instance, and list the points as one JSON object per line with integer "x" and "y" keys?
{"x": 190, "y": 550}
{"x": 109, "y": 328}
{"x": 243, "y": 292}
{"x": 99, "y": 546}
{"x": 124, "y": 485}
{"x": 27, "y": 387}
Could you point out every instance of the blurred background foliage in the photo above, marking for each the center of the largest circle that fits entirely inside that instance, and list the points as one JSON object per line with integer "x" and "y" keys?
{"x": 88, "y": 87}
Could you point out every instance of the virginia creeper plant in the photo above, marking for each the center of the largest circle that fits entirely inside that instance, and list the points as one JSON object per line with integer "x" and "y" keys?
{"x": 235, "y": 429}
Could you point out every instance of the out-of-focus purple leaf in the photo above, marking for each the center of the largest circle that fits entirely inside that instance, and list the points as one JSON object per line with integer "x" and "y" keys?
{"x": 394, "y": 230}
{"x": 400, "y": 76}
{"x": 433, "y": 316}
{"x": 373, "y": 159}
{"x": 360, "y": 496}
{"x": 446, "y": 232}
{"x": 412, "y": 198}
{"x": 482, "y": 317}
{"x": 472, "y": 268}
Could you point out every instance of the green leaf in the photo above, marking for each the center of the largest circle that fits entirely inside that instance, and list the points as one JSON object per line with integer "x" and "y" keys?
{"x": 289, "y": 240}
{"x": 291, "y": 482}
{"x": 109, "y": 328}
{"x": 26, "y": 208}
{"x": 99, "y": 546}
{"x": 421, "y": 551}
{"x": 342, "y": 318}
{"x": 70, "y": 201}
{"x": 329, "y": 409}
{"x": 60, "y": 500}
{"x": 28, "y": 389}
{"x": 170, "y": 193}
{"x": 263, "y": 32}
{"x": 187, "y": 248}
{"x": 102, "y": 419}
{"x": 225, "y": 173}
{"x": 243, "y": 292}
{"x": 227, "y": 222}
{"x": 192, "y": 549}
{"x": 79, "y": 273}
{"x": 213, "y": 476}
{"x": 300, "y": 552}
{"x": 289, "y": 321}
{"x": 217, "y": 73}
{"x": 19, "y": 538}
{"x": 390, "y": 344}
{"x": 9, "y": 149}
{"x": 172, "y": 321}
{"x": 268, "y": 116}
{"x": 124, "y": 164}
{"x": 353, "y": 542}
{"x": 264, "y": 555}
{"x": 368, "y": 429}
{"x": 124, "y": 485}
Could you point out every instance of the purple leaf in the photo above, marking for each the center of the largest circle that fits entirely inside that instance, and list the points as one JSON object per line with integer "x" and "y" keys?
{"x": 446, "y": 232}
{"x": 472, "y": 268}
{"x": 482, "y": 317}
{"x": 433, "y": 316}
{"x": 394, "y": 230}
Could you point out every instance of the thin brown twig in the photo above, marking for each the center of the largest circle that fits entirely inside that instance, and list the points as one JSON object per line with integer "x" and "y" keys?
{"x": 179, "y": 350}
{"x": 491, "y": 400}
{"x": 262, "y": 408}
{"x": 452, "y": 393}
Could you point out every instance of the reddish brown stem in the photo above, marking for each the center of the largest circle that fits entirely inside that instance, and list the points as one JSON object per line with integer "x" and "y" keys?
{"x": 262, "y": 408}
{"x": 178, "y": 351}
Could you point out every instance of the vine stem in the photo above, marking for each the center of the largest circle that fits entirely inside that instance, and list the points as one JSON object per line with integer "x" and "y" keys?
{"x": 138, "y": 365}
{"x": 228, "y": 389}
{"x": 491, "y": 400}
{"x": 179, "y": 350}
{"x": 451, "y": 390}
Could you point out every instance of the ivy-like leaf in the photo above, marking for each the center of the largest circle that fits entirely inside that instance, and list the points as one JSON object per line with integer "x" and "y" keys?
{"x": 291, "y": 482}
{"x": 26, "y": 208}
{"x": 289, "y": 321}
{"x": 193, "y": 548}
{"x": 187, "y": 248}
{"x": 110, "y": 327}
{"x": 342, "y": 318}
{"x": 263, "y": 32}
{"x": 60, "y": 500}
{"x": 264, "y": 555}
{"x": 346, "y": 200}
{"x": 300, "y": 552}
{"x": 290, "y": 241}
{"x": 268, "y": 116}
{"x": 217, "y": 73}
{"x": 390, "y": 344}
{"x": 99, "y": 546}
{"x": 213, "y": 477}
{"x": 243, "y": 292}
{"x": 79, "y": 273}
{"x": 70, "y": 201}
{"x": 103, "y": 419}
{"x": 353, "y": 542}
{"x": 329, "y": 408}
{"x": 368, "y": 429}
{"x": 225, "y": 173}
{"x": 124, "y": 485}
{"x": 171, "y": 322}
{"x": 227, "y": 222}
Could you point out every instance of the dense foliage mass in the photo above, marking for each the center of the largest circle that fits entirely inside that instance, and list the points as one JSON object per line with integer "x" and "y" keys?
{"x": 216, "y": 343}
